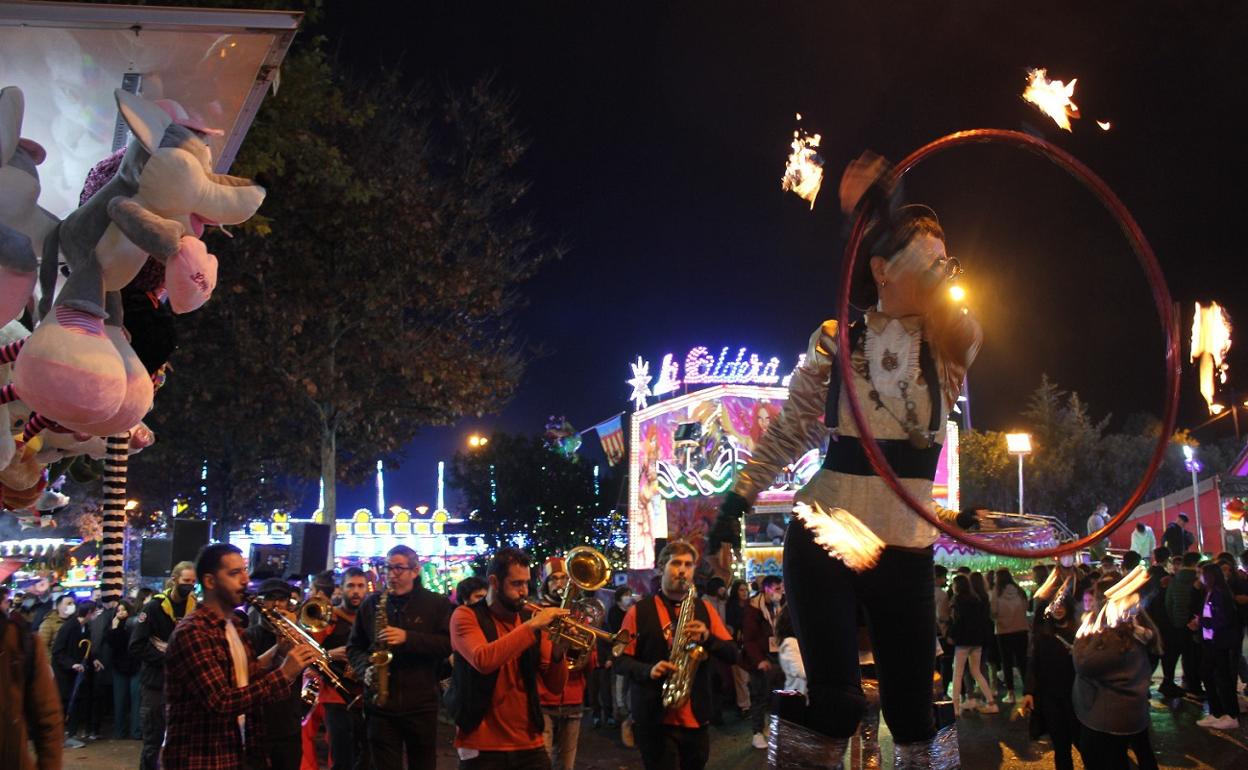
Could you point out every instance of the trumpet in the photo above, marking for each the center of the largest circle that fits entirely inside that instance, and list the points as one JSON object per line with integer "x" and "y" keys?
{"x": 587, "y": 571}
{"x": 293, "y": 633}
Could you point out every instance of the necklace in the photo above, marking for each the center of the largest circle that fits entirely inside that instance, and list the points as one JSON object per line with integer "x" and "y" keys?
{"x": 919, "y": 439}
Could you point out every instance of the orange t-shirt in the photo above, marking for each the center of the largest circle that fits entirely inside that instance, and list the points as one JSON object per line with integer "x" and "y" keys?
{"x": 682, "y": 716}
{"x": 506, "y": 723}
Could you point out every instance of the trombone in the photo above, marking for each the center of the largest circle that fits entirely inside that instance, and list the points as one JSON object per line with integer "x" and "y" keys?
{"x": 293, "y": 633}
{"x": 587, "y": 571}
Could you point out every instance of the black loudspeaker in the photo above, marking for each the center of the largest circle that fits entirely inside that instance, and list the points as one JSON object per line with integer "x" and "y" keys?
{"x": 154, "y": 557}
{"x": 309, "y": 548}
{"x": 189, "y": 536}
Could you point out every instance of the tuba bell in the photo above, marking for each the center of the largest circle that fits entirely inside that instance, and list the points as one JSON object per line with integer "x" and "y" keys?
{"x": 315, "y": 613}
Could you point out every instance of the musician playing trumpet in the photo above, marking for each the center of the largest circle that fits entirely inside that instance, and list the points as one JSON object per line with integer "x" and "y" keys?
{"x": 282, "y": 742}
{"x": 500, "y": 653}
{"x": 676, "y": 736}
{"x": 416, "y": 633}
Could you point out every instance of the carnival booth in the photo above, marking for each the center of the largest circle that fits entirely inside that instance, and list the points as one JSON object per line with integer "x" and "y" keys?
{"x": 685, "y": 453}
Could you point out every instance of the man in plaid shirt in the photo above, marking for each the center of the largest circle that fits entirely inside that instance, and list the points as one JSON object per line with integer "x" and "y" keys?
{"x": 213, "y": 683}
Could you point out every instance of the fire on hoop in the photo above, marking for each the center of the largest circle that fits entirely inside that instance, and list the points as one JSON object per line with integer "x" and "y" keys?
{"x": 1052, "y": 97}
{"x": 1211, "y": 341}
{"x": 803, "y": 174}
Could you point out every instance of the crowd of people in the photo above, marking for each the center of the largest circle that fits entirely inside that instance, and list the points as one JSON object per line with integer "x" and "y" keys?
{"x": 202, "y": 677}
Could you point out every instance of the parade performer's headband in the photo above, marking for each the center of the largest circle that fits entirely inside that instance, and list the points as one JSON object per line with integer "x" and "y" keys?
{"x": 1144, "y": 256}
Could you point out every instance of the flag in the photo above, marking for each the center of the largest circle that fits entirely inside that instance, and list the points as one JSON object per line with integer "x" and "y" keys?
{"x": 611, "y": 434}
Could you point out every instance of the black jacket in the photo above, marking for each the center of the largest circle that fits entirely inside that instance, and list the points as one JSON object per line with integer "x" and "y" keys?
{"x": 1050, "y": 670}
{"x": 117, "y": 647}
{"x": 156, "y": 621}
{"x": 971, "y": 625}
{"x": 426, "y": 617}
{"x": 67, "y": 647}
{"x": 651, "y": 646}
{"x": 283, "y": 718}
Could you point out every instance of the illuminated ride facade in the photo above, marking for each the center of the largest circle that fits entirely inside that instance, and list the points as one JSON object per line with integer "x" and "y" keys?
{"x": 685, "y": 452}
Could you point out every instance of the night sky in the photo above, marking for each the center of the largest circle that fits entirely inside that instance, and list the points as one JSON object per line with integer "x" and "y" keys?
{"x": 659, "y": 132}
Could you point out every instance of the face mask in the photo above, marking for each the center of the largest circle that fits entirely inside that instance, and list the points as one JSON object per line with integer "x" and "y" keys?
{"x": 182, "y": 590}
{"x": 627, "y": 601}
{"x": 70, "y": 610}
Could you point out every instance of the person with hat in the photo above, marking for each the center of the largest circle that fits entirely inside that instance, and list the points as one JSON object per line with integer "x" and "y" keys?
{"x": 563, "y": 711}
{"x": 554, "y": 576}
{"x": 283, "y": 719}
{"x": 856, "y": 545}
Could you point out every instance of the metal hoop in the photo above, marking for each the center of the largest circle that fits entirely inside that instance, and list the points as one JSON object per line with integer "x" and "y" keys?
{"x": 1161, "y": 298}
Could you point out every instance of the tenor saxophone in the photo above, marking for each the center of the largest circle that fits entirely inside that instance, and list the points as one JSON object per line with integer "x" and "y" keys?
{"x": 686, "y": 656}
{"x": 380, "y": 656}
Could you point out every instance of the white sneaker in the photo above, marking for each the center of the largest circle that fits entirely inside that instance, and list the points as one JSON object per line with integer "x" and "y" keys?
{"x": 1009, "y": 697}
{"x": 1226, "y": 723}
{"x": 990, "y": 708}
{"x": 1208, "y": 720}
{"x": 758, "y": 741}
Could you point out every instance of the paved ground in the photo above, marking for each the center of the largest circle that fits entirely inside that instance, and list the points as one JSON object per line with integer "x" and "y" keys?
{"x": 996, "y": 741}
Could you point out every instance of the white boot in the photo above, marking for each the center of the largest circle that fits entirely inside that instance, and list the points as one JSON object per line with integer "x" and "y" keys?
{"x": 794, "y": 746}
{"x": 939, "y": 753}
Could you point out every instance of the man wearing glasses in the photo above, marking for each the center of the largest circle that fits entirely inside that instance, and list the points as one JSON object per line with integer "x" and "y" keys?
{"x": 418, "y": 635}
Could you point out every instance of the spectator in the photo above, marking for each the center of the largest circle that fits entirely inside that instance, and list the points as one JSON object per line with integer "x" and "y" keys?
{"x": 1050, "y": 677}
{"x": 281, "y": 742}
{"x": 968, "y": 632}
{"x": 944, "y": 661}
{"x": 1220, "y": 637}
{"x": 1177, "y": 537}
{"x": 1009, "y": 613}
{"x": 1096, "y": 522}
{"x": 1110, "y": 694}
{"x": 760, "y": 652}
{"x": 470, "y": 590}
{"x": 30, "y": 709}
{"x": 125, "y": 671}
{"x": 734, "y": 611}
{"x": 624, "y": 599}
{"x": 66, "y": 606}
{"x": 790, "y": 654}
{"x": 149, "y": 640}
{"x": 991, "y": 652}
{"x": 38, "y": 604}
{"x": 1143, "y": 541}
{"x": 1183, "y": 602}
{"x": 76, "y": 661}
{"x": 1130, "y": 560}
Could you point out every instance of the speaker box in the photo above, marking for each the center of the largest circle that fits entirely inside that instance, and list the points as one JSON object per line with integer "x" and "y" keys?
{"x": 189, "y": 536}
{"x": 154, "y": 557}
{"x": 309, "y": 548}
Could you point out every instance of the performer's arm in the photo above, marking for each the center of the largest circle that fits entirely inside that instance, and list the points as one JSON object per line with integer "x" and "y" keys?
{"x": 468, "y": 640}
{"x": 193, "y": 654}
{"x": 719, "y": 642}
{"x": 799, "y": 428}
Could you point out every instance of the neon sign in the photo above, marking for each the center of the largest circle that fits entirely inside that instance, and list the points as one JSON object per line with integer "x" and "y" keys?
{"x": 702, "y": 367}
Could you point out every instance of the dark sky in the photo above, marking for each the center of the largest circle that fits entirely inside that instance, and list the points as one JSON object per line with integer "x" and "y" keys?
{"x": 659, "y": 132}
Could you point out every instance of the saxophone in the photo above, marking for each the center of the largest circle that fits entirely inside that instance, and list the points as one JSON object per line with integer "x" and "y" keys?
{"x": 380, "y": 657}
{"x": 686, "y": 655}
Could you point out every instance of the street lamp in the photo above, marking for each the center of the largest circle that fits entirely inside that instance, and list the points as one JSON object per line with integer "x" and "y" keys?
{"x": 1193, "y": 465}
{"x": 477, "y": 441}
{"x": 957, "y": 293}
{"x": 1019, "y": 444}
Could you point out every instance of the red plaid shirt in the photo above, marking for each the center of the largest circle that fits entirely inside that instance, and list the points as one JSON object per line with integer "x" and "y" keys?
{"x": 202, "y": 701}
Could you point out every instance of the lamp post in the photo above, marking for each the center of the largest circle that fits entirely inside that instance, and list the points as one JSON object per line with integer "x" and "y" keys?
{"x": 1193, "y": 466}
{"x": 1019, "y": 444}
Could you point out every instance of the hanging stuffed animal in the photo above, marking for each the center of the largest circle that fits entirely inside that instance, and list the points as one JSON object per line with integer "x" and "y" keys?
{"x": 74, "y": 372}
{"x": 23, "y": 224}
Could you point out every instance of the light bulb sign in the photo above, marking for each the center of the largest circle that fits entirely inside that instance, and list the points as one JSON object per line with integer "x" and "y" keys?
{"x": 705, "y": 367}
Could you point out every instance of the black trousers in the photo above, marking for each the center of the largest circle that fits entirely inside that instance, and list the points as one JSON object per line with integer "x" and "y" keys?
{"x": 761, "y": 685}
{"x": 347, "y": 747}
{"x": 390, "y": 734}
{"x": 1218, "y": 673}
{"x": 78, "y": 713}
{"x": 152, "y": 722}
{"x": 528, "y": 759}
{"x": 1013, "y": 653}
{"x": 664, "y": 747}
{"x": 1063, "y": 727}
{"x": 1104, "y": 751}
{"x": 284, "y": 752}
{"x": 1182, "y": 645}
{"x": 899, "y": 602}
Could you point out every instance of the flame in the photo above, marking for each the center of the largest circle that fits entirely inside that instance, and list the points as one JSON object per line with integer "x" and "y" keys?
{"x": 1104, "y": 124}
{"x": 803, "y": 174}
{"x": 1052, "y": 97}
{"x": 1122, "y": 604}
{"x": 1211, "y": 341}
{"x": 842, "y": 535}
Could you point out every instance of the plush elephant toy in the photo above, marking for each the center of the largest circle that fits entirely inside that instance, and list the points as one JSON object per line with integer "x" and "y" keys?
{"x": 74, "y": 370}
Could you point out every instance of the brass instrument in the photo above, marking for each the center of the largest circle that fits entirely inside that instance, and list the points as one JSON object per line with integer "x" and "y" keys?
{"x": 587, "y": 571}
{"x": 686, "y": 655}
{"x": 315, "y": 613}
{"x": 380, "y": 657}
{"x": 294, "y": 634}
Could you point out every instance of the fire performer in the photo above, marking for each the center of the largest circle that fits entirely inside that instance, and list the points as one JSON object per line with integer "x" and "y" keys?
{"x": 857, "y": 544}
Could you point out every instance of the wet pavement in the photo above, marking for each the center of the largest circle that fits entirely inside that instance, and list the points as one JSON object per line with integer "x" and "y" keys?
{"x": 986, "y": 741}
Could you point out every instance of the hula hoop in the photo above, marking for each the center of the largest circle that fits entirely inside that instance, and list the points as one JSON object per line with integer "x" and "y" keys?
{"x": 1161, "y": 298}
